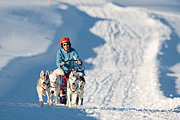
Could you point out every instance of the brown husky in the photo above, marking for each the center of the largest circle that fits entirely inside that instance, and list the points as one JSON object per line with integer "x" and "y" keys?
{"x": 43, "y": 87}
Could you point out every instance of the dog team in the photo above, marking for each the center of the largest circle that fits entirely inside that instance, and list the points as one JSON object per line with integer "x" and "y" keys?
{"x": 71, "y": 68}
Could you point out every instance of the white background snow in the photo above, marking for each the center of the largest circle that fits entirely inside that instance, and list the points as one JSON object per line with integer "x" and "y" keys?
{"x": 131, "y": 50}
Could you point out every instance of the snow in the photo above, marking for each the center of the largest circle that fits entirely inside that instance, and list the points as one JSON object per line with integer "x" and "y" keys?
{"x": 131, "y": 55}
{"x": 19, "y": 28}
{"x": 160, "y": 5}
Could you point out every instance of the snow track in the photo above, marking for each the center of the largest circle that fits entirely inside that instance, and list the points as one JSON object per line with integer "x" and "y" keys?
{"x": 126, "y": 66}
{"x": 133, "y": 113}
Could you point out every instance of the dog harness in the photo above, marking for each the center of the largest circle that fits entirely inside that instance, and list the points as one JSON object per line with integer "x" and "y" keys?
{"x": 55, "y": 85}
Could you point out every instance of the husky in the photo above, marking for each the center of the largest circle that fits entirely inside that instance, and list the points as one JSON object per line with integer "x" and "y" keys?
{"x": 80, "y": 96}
{"x": 72, "y": 89}
{"x": 43, "y": 87}
{"x": 55, "y": 85}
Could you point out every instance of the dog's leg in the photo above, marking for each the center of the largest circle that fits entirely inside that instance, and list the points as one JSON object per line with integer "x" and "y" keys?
{"x": 55, "y": 99}
{"x": 69, "y": 99}
{"x": 53, "y": 102}
{"x": 40, "y": 93}
{"x": 67, "y": 102}
{"x": 48, "y": 97}
{"x": 79, "y": 101}
{"x": 82, "y": 101}
{"x": 41, "y": 100}
{"x": 41, "y": 103}
{"x": 74, "y": 97}
{"x": 57, "y": 93}
{"x": 81, "y": 98}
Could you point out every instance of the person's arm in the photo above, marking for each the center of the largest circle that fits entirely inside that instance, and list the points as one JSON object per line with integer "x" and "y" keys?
{"x": 58, "y": 59}
{"x": 76, "y": 56}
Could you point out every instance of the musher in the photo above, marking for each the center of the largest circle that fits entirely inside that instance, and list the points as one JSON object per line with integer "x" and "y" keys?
{"x": 65, "y": 53}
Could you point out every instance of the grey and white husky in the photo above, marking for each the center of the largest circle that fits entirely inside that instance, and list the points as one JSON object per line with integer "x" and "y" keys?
{"x": 72, "y": 89}
{"x": 43, "y": 87}
{"x": 80, "y": 96}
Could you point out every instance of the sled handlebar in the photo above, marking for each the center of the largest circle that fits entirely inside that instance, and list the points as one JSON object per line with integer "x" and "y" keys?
{"x": 76, "y": 66}
{"x": 70, "y": 60}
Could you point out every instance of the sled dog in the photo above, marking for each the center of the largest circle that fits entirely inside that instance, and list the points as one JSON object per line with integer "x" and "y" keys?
{"x": 55, "y": 85}
{"x": 72, "y": 89}
{"x": 43, "y": 87}
{"x": 82, "y": 83}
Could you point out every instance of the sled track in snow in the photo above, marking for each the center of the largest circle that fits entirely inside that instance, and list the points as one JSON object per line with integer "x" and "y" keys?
{"x": 176, "y": 110}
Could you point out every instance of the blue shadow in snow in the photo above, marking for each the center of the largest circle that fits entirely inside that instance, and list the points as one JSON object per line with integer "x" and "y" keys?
{"x": 169, "y": 58}
{"x": 29, "y": 111}
{"x": 118, "y": 4}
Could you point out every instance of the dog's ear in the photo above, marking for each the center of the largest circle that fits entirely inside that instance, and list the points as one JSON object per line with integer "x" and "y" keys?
{"x": 47, "y": 73}
{"x": 75, "y": 74}
{"x": 42, "y": 73}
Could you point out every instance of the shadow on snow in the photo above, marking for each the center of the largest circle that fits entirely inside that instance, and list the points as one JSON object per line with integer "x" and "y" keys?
{"x": 169, "y": 58}
{"x": 31, "y": 111}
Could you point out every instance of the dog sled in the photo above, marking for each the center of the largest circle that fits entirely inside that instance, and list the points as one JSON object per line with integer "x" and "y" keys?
{"x": 68, "y": 88}
{"x": 63, "y": 86}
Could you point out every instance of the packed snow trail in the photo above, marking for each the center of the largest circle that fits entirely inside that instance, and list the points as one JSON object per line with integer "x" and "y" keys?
{"x": 126, "y": 67}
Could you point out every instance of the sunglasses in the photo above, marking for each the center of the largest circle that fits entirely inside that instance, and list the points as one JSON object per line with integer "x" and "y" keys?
{"x": 66, "y": 44}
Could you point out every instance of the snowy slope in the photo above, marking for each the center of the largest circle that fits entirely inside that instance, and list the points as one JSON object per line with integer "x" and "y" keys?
{"x": 170, "y": 6}
{"x": 124, "y": 50}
